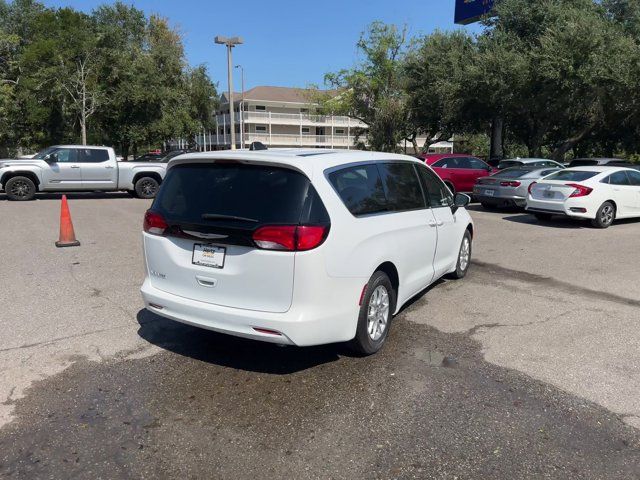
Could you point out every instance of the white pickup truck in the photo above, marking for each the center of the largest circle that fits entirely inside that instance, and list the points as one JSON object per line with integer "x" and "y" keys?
{"x": 73, "y": 168}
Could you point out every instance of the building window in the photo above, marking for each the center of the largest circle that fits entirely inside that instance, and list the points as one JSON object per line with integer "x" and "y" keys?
{"x": 305, "y": 130}
{"x": 261, "y": 129}
{"x": 261, "y": 108}
{"x": 339, "y": 131}
{"x": 304, "y": 110}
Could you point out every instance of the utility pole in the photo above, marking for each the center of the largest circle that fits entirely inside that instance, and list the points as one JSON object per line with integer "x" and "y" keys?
{"x": 230, "y": 42}
{"x": 241, "y": 107}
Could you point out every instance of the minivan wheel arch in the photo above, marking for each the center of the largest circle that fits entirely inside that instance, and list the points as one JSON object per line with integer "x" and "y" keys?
{"x": 392, "y": 272}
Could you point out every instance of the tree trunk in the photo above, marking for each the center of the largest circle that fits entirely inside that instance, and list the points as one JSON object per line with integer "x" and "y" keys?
{"x": 569, "y": 143}
{"x": 83, "y": 116}
{"x": 497, "y": 143}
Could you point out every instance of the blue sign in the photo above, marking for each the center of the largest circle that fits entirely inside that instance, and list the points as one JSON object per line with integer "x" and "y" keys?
{"x": 469, "y": 11}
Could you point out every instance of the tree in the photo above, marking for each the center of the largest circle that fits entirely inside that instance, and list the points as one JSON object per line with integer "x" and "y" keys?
{"x": 374, "y": 90}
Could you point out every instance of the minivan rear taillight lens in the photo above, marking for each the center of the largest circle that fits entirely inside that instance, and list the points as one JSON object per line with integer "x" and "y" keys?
{"x": 154, "y": 223}
{"x": 290, "y": 237}
{"x": 531, "y": 186}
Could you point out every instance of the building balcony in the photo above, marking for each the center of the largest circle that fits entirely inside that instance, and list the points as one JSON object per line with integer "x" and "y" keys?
{"x": 284, "y": 140}
{"x": 254, "y": 117}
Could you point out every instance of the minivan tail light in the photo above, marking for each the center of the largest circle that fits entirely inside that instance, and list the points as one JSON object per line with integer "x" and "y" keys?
{"x": 580, "y": 190}
{"x": 531, "y": 186}
{"x": 290, "y": 237}
{"x": 154, "y": 223}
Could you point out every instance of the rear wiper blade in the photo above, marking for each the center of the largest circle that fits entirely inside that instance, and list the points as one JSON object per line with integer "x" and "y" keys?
{"x": 219, "y": 216}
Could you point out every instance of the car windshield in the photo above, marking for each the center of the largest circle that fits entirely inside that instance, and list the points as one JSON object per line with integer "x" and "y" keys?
{"x": 571, "y": 175}
{"x": 43, "y": 153}
{"x": 513, "y": 173}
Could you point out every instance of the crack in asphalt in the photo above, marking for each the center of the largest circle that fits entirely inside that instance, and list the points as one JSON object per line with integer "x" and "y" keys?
{"x": 551, "y": 282}
{"x": 59, "y": 339}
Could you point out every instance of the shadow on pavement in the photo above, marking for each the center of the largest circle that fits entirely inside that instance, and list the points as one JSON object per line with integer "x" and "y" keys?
{"x": 233, "y": 352}
{"x": 556, "y": 222}
{"x": 78, "y": 196}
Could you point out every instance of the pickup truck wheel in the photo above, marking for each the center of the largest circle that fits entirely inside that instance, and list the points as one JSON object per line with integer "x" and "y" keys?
{"x": 147, "y": 187}
{"x": 20, "y": 189}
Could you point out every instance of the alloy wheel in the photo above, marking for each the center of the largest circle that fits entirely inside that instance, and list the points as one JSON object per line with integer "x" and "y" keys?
{"x": 378, "y": 313}
{"x": 465, "y": 253}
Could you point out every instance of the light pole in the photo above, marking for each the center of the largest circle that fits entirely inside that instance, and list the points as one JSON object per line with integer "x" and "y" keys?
{"x": 230, "y": 42}
{"x": 241, "y": 107}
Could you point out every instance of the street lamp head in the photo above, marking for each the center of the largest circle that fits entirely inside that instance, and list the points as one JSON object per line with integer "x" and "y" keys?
{"x": 228, "y": 41}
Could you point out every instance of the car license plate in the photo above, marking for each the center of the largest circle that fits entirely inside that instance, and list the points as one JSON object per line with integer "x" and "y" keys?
{"x": 549, "y": 194}
{"x": 489, "y": 193}
{"x": 208, "y": 255}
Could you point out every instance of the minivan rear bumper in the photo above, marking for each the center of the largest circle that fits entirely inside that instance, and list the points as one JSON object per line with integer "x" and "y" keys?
{"x": 311, "y": 325}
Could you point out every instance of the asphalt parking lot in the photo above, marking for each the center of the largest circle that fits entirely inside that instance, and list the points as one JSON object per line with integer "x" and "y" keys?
{"x": 528, "y": 368}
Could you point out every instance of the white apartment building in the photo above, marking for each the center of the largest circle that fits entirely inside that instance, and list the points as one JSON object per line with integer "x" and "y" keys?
{"x": 279, "y": 117}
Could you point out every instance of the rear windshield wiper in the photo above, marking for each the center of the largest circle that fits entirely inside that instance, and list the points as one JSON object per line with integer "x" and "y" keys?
{"x": 219, "y": 216}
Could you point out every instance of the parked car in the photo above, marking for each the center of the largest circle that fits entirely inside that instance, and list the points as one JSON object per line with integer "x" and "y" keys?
{"x": 65, "y": 168}
{"x": 529, "y": 162}
{"x": 594, "y": 162}
{"x": 459, "y": 172}
{"x": 300, "y": 247}
{"x": 600, "y": 194}
{"x": 508, "y": 188}
{"x": 159, "y": 157}
{"x": 149, "y": 157}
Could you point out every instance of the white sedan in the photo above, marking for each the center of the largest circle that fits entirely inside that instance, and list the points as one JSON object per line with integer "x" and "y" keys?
{"x": 600, "y": 194}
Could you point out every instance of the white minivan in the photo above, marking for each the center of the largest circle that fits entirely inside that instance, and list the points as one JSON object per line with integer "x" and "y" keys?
{"x": 300, "y": 247}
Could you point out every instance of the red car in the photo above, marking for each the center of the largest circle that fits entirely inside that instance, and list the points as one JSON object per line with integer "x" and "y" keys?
{"x": 458, "y": 171}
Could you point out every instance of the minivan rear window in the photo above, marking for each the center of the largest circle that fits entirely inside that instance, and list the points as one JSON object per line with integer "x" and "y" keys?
{"x": 254, "y": 194}
{"x": 572, "y": 176}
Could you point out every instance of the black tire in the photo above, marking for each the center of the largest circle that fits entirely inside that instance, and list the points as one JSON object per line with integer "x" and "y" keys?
{"x": 365, "y": 343}
{"x": 20, "y": 189}
{"x": 146, "y": 187}
{"x": 462, "y": 266}
{"x": 605, "y": 216}
{"x": 543, "y": 217}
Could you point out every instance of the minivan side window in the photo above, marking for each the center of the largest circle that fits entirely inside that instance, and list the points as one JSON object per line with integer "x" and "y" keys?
{"x": 402, "y": 186}
{"x": 436, "y": 191}
{"x": 360, "y": 189}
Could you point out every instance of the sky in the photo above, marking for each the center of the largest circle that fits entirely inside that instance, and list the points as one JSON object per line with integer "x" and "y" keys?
{"x": 286, "y": 43}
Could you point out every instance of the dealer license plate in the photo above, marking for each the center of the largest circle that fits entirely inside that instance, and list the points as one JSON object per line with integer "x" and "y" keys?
{"x": 208, "y": 255}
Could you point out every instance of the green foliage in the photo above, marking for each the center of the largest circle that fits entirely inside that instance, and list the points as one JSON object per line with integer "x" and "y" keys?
{"x": 118, "y": 73}
{"x": 564, "y": 75}
{"x": 373, "y": 91}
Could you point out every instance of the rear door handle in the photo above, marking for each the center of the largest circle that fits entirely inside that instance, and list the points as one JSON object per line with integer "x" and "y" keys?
{"x": 75, "y": 166}
{"x": 109, "y": 166}
{"x": 440, "y": 223}
{"x": 432, "y": 223}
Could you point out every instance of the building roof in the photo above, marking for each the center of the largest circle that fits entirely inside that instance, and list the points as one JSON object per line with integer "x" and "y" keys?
{"x": 275, "y": 94}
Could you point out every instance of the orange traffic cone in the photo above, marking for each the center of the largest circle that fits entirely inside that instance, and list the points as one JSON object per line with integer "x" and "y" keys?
{"x": 67, "y": 235}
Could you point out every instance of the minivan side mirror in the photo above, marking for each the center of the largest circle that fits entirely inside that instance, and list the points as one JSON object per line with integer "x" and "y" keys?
{"x": 51, "y": 158}
{"x": 460, "y": 200}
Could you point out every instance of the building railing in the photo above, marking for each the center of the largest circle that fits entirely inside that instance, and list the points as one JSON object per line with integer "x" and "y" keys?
{"x": 279, "y": 139}
{"x": 290, "y": 119}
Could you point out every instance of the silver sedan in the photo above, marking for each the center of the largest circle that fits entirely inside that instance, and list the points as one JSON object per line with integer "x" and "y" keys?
{"x": 508, "y": 187}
